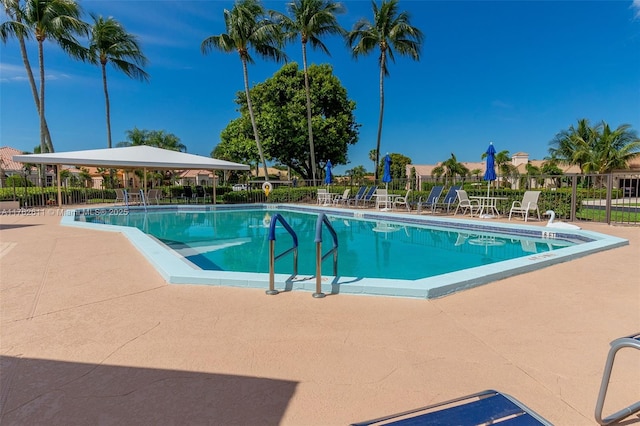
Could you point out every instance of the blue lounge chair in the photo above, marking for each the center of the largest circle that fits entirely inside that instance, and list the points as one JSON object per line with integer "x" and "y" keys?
{"x": 487, "y": 407}
{"x": 358, "y": 196}
{"x": 432, "y": 200}
{"x": 450, "y": 198}
{"x": 367, "y": 198}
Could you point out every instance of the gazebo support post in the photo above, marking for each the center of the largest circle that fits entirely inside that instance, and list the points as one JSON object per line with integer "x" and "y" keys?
{"x": 58, "y": 166}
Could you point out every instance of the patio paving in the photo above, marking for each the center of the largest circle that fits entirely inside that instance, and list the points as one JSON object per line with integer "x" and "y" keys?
{"x": 91, "y": 334}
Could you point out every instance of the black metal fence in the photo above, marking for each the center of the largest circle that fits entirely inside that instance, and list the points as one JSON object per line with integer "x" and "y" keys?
{"x": 610, "y": 198}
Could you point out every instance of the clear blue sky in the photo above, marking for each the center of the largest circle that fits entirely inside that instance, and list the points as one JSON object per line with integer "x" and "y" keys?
{"x": 511, "y": 72}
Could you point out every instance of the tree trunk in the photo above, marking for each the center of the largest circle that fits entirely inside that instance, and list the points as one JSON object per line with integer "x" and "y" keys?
{"x": 308, "y": 93}
{"x": 253, "y": 119}
{"x": 382, "y": 65}
{"x": 106, "y": 99}
{"x": 34, "y": 89}
{"x": 43, "y": 147}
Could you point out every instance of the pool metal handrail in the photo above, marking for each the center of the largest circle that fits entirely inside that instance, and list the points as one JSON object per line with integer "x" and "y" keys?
{"x": 143, "y": 200}
{"x": 322, "y": 219}
{"x": 272, "y": 257}
{"x": 632, "y": 341}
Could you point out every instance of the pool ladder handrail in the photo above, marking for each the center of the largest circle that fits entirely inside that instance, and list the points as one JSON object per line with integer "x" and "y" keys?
{"x": 272, "y": 257}
{"x": 324, "y": 220}
{"x": 143, "y": 200}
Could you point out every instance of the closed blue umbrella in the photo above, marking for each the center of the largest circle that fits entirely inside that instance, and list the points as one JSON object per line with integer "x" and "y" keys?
{"x": 386, "y": 176}
{"x": 490, "y": 172}
{"x": 327, "y": 178}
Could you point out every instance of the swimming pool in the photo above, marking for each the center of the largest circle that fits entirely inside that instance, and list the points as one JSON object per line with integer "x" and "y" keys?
{"x": 379, "y": 254}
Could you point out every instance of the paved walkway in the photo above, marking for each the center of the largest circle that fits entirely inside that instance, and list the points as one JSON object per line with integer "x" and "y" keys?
{"x": 91, "y": 334}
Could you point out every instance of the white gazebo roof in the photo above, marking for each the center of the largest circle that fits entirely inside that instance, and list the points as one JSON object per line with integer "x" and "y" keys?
{"x": 132, "y": 157}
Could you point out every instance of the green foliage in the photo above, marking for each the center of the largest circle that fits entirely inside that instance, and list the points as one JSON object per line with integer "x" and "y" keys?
{"x": 236, "y": 143}
{"x": 17, "y": 181}
{"x": 357, "y": 175}
{"x": 450, "y": 169}
{"x": 595, "y": 149}
{"x": 398, "y": 166}
{"x": 157, "y": 138}
{"x": 280, "y": 106}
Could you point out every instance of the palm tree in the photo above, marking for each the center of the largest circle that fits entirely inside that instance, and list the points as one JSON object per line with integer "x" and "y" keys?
{"x": 613, "y": 149}
{"x": 390, "y": 31}
{"x": 450, "y": 168}
{"x": 110, "y": 42}
{"x": 59, "y": 21}
{"x": 373, "y": 156}
{"x": 572, "y": 146}
{"x": 157, "y": 138}
{"x": 248, "y": 25}
{"x": 595, "y": 149}
{"x": 15, "y": 27}
{"x": 312, "y": 19}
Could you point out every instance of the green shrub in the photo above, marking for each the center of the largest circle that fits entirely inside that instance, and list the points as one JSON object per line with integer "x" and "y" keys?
{"x": 18, "y": 181}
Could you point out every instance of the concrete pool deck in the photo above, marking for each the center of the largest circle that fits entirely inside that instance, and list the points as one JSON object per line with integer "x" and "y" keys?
{"x": 90, "y": 333}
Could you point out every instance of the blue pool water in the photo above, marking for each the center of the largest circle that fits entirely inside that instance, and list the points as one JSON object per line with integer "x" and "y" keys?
{"x": 237, "y": 240}
{"x": 379, "y": 254}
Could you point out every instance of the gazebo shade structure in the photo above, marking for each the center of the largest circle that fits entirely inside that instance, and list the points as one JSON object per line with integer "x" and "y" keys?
{"x": 131, "y": 157}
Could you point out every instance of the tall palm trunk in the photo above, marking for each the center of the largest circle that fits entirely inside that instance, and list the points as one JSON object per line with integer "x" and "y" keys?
{"x": 34, "y": 89}
{"x": 382, "y": 68}
{"x": 43, "y": 147}
{"x": 106, "y": 99}
{"x": 309, "y": 124}
{"x": 253, "y": 119}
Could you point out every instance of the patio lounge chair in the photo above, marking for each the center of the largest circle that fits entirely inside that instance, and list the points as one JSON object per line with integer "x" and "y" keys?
{"x": 358, "y": 196}
{"x": 449, "y": 199}
{"x": 632, "y": 341}
{"x": 154, "y": 196}
{"x": 187, "y": 193}
{"x": 465, "y": 203}
{"x": 431, "y": 201}
{"x": 529, "y": 203}
{"x": 402, "y": 201}
{"x": 366, "y": 198}
{"x": 200, "y": 193}
{"x": 119, "y": 196}
{"x": 342, "y": 199}
{"x": 487, "y": 407}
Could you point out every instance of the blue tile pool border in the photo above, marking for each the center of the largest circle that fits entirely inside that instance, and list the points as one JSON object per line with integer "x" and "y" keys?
{"x": 176, "y": 270}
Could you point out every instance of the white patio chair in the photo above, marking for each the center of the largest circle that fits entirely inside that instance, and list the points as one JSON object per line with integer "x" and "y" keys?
{"x": 323, "y": 195}
{"x": 342, "y": 199}
{"x": 465, "y": 203}
{"x": 402, "y": 201}
{"x": 382, "y": 198}
{"x": 529, "y": 203}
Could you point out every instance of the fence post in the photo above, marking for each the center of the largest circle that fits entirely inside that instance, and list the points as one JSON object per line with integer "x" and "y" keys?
{"x": 574, "y": 197}
{"x": 609, "y": 196}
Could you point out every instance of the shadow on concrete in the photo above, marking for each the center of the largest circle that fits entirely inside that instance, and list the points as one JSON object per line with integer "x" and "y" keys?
{"x": 4, "y": 226}
{"x": 40, "y": 391}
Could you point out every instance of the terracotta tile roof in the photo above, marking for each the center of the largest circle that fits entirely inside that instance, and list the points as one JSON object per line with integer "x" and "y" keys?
{"x": 194, "y": 173}
{"x": 6, "y": 156}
